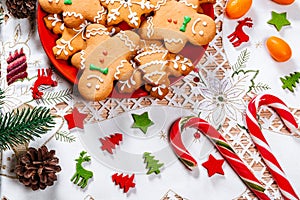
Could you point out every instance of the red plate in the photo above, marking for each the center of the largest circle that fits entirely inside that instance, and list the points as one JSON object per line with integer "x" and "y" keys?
{"x": 69, "y": 72}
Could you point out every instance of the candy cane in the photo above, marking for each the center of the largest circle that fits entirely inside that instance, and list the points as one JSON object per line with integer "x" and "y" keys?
{"x": 261, "y": 143}
{"x": 220, "y": 143}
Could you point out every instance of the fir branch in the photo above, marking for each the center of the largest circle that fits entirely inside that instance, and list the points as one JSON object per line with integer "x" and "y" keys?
{"x": 241, "y": 61}
{"x": 1, "y": 18}
{"x": 56, "y": 97}
{"x": 22, "y": 126}
{"x": 65, "y": 137}
{"x": 1, "y": 97}
{"x": 290, "y": 81}
{"x": 260, "y": 87}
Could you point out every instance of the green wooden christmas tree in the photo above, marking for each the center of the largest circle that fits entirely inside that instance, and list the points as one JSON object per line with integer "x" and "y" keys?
{"x": 290, "y": 81}
{"x": 153, "y": 165}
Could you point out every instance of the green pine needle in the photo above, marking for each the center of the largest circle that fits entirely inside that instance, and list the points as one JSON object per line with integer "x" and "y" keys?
{"x": 242, "y": 60}
{"x": 290, "y": 81}
{"x": 56, "y": 97}
{"x": 65, "y": 137}
{"x": 1, "y": 97}
{"x": 22, "y": 126}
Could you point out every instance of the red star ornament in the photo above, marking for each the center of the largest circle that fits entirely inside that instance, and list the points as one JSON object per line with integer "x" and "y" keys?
{"x": 213, "y": 166}
{"x": 75, "y": 119}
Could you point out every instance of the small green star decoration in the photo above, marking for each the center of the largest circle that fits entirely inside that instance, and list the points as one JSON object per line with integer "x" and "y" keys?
{"x": 279, "y": 20}
{"x": 142, "y": 122}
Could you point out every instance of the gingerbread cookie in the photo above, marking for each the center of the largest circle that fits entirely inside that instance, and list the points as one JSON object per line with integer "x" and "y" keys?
{"x": 129, "y": 11}
{"x": 153, "y": 67}
{"x": 106, "y": 63}
{"x": 177, "y": 23}
{"x": 94, "y": 35}
{"x": 54, "y": 23}
{"x": 71, "y": 41}
{"x": 75, "y": 12}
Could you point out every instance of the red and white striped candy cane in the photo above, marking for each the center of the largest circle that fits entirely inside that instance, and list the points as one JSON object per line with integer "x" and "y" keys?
{"x": 220, "y": 143}
{"x": 261, "y": 143}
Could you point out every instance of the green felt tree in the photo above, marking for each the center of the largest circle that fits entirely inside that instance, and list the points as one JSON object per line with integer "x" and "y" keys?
{"x": 20, "y": 127}
{"x": 153, "y": 165}
{"x": 290, "y": 81}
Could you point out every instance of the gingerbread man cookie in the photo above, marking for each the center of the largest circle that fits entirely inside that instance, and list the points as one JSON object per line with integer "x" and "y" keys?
{"x": 129, "y": 11}
{"x": 71, "y": 41}
{"x": 54, "y": 23}
{"x": 106, "y": 63}
{"x": 75, "y": 12}
{"x": 177, "y": 22}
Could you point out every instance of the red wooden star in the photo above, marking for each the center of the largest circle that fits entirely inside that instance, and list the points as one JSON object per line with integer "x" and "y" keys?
{"x": 75, "y": 119}
{"x": 213, "y": 166}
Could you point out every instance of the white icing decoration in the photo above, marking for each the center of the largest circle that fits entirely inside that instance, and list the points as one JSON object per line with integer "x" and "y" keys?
{"x": 159, "y": 4}
{"x": 123, "y": 37}
{"x": 89, "y": 85}
{"x": 201, "y": 33}
{"x": 97, "y": 87}
{"x": 184, "y": 63}
{"x": 153, "y": 62}
{"x": 62, "y": 27}
{"x": 128, "y": 83}
{"x": 148, "y": 53}
{"x": 55, "y": 19}
{"x": 96, "y": 31}
{"x": 50, "y": 1}
{"x": 204, "y": 24}
{"x": 194, "y": 24}
{"x": 148, "y": 76}
{"x": 118, "y": 72}
{"x": 100, "y": 15}
{"x": 67, "y": 44}
{"x": 150, "y": 27}
{"x": 158, "y": 88}
{"x": 82, "y": 59}
{"x": 70, "y": 14}
{"x": 178, "y": 40}
{"x": 127, "y": 4}
{"x": 189, "y": 4}
{"x": 96, "y": 77}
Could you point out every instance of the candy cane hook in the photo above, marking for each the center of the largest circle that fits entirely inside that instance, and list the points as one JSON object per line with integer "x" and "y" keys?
{"x": 261, "y": 143}
{"x": 220, "y": 143}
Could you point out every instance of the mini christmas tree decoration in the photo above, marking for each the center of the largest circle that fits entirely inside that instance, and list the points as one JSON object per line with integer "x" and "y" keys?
{"x": 109, "y": 143}
{"x": 37, "y": 168}
{"x": 44, "y": 78}
{"x": 21, "y": 8}
{"x": 153, "y": 165}
{"x": 82, "y": 175}
{"x": 142, "y": 122}
{"x": 75, "y": 119}
{"x": 290, "y": 82}
{"x": 124, "y": 182}
{"x": 213, "y": 165}
{"x": 17, "y": 66}
{"x": 22, "y": 126}
{"x": 279, "y": 20}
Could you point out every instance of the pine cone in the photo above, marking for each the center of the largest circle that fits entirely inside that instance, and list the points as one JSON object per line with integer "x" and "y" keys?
{"x": 21, "y": 8}
{"x": 37, "y": 168}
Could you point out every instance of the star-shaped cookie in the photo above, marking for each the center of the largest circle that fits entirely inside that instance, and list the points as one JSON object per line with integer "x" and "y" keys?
{"x": 279, "y": 20}
{"x": 142, "y": 122}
